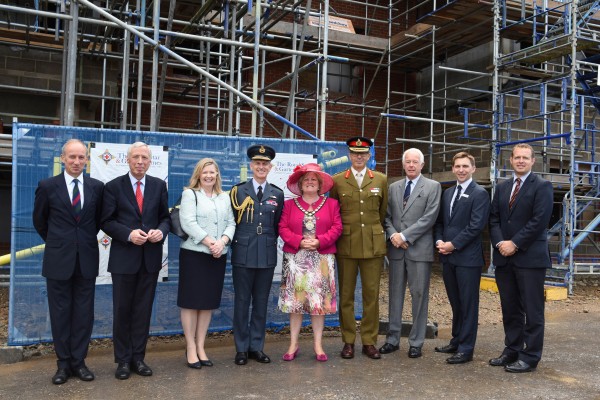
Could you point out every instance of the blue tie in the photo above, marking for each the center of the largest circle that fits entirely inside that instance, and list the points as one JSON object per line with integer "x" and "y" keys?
{"x": 456, "y": 197}
{"x": 407, "y": 192}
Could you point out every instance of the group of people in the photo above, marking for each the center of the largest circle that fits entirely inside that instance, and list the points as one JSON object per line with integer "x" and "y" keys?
{"x": 351, "y": 231}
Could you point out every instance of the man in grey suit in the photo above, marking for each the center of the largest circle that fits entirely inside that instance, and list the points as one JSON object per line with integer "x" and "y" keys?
{"x": 413, "y": 206}
{"x": 463, "y": 216}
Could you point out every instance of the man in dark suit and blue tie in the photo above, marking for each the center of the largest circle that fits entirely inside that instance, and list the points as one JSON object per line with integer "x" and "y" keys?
{"x": 257, "y": 206}
{"x": 135, "y": 215}
{"x": 519, "y": 218}
{"x": 66, "y": 214}
{"x": 463, "y": 216}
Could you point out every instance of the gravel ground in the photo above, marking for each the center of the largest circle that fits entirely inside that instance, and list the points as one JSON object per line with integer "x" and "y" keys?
{"x": 585, "y": 300}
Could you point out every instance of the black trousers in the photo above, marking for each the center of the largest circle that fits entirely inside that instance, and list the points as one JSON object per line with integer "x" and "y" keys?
{"x": 252, "y": 287}
{"x": 522, "y": 300}
{"x": 133, "y": 296}
{"x": 71, "y": 307}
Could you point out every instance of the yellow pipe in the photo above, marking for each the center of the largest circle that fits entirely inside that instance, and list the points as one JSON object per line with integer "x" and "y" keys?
{"x": 5, "y": 259}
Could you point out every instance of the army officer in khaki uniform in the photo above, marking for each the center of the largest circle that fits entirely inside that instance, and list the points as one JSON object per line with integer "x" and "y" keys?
{"x": 362, "y": 194}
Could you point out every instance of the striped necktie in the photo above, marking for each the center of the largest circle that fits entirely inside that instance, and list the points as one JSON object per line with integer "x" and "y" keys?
{"x": 514, "y": 194}
{"x": 76, "y": 201}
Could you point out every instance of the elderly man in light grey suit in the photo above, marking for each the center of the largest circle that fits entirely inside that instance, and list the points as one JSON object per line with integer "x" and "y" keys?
{"x": 413, "y": 206}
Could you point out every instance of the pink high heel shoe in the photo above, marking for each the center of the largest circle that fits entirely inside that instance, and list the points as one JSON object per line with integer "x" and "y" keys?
{"x": 321, "y": 357}
{"x": 291, "y": 356}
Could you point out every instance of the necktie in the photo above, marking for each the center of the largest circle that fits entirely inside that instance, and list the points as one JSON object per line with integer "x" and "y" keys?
{"x": 259, "y": 193}
{"x": 407, "y": 192}
{"x": 514, "y": 194}
{"x": 359, "y": 179}
{"x": 139, "y": 196}
{"x": 76, "y": 202}
{"x": 456, "y": 197}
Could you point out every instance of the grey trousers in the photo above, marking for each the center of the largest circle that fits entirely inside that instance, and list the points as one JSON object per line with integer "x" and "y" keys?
{"x": 416, "y": 274}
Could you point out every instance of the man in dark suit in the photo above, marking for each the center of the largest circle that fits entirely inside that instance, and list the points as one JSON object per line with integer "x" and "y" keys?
{"x": 135, "y": 214}
{"x": 257, "y": 206}
{"x": 519, "y": 217}
{"x": 412, "y": 210}
{"x": 66, "y": 214}
{"x": 463, "y": 216}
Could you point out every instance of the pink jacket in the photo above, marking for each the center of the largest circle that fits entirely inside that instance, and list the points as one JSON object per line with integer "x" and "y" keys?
{"x": 329, "y": 225}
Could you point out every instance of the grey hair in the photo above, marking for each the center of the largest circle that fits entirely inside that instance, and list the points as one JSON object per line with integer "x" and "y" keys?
{"x": 68, "y": 142}
{"x": 137, "y": 145}
{"x": 414, "y": 150}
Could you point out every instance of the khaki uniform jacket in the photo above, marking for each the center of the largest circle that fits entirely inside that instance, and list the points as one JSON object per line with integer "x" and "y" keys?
{"x": 363, "y": 213}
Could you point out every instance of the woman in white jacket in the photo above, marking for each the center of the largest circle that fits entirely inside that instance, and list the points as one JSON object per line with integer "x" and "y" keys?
{"x": 206, "y": 216}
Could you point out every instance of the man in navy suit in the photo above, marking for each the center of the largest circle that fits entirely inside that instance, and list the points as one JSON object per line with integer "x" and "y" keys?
{"x": 519, "y": 217}
{"x": 135, "y": 215}
{"x": 66, "y": 214}
{"x": 463, "y": 216}
{"x": 257, "y": 206}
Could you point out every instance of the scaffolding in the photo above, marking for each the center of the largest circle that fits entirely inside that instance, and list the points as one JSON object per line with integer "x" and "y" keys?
{"x": 438, "y": 75}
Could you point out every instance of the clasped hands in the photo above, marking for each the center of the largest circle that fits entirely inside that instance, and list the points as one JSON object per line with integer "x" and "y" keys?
{"x": 139, "y": 237}
{"x": 309, "y": 243}
{"x": 215, "y": 246}
{"x": 444, "y": 248}
{"x": 398, "y": 242}
{"x": 507, "y": 248}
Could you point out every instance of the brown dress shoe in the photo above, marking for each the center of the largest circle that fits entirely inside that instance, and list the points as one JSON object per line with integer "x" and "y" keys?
{"x": 347, "y": 351}
{"x": 371, "y": 351}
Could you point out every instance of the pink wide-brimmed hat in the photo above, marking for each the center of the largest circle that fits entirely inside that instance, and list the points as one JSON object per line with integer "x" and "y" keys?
{"x": 300, "y": 170}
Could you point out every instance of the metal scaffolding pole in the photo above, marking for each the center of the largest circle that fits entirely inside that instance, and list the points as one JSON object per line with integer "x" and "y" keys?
{"x": 156, "y": 25}
{"x": 324, "y": 88}
{"x": 71, "y": 66}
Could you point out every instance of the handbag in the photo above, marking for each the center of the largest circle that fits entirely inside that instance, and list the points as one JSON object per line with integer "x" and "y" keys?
{"x": 176, "y": 228}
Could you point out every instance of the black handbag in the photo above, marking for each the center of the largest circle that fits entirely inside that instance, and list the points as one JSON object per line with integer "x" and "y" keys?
{"x": 176, "y": 228}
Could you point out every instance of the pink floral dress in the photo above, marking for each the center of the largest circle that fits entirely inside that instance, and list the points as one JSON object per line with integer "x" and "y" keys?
{"x": 308, "y": 279}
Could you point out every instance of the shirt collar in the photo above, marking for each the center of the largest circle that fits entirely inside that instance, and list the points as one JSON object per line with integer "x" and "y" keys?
{"x": 69, "y": 179}
{"x": 256, "y": 185}
{"x": 522, "y": 177}
{"x": 465, "y": 184}
{"x": 135, "y": 180}
{"x": 414, "y": 181}
{"x": 354, "y": 172}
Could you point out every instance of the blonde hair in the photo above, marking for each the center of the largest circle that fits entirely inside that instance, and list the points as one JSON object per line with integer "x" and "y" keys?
{"x": 195, "y": 179}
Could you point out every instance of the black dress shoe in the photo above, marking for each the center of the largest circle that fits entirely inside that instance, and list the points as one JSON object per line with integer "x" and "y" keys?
{"x": 519, "y": 366}
{"x": 206, "y": 363}
{"x": 83, "y": 373}
{"x": 449, "y": 348}
{"x": 459, "y": 358}
{"x": 259, "y": 356}
{"x": 502, "y": 360}
{"x": 61, "y": 376}
{"x": 122, "y": 371}
{"x": 140, "y": 368}
{"x": 414, "y": 352}
{"x": 388, "y": 348}
{"x": 241, "y": 358}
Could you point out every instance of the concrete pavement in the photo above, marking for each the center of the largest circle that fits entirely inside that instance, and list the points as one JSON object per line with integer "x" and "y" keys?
{"x": 569, "y": 369}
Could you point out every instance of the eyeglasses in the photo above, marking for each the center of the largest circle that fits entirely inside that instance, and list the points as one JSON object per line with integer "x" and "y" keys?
{"x": 360, "y": 154}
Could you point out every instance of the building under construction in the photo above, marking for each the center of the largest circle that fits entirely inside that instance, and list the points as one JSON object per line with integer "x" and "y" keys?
{"x": 442, "y": 76}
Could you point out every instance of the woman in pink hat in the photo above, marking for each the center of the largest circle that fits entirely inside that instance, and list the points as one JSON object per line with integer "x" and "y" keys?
{"x": 309, "y": 226}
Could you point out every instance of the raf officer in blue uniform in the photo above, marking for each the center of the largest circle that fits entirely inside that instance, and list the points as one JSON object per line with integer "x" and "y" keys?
{"x": 257, "y": 207}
